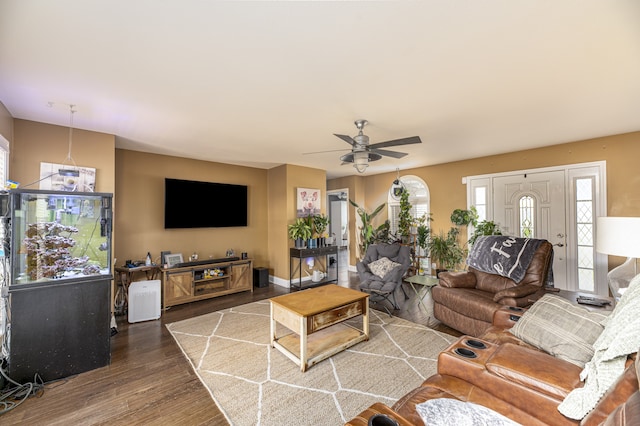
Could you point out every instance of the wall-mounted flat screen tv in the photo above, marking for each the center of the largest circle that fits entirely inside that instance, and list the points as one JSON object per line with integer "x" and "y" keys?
{"x": 193, "y": 204}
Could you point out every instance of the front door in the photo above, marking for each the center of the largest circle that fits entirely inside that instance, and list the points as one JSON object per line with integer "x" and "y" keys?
{"x": 532, "y": 205}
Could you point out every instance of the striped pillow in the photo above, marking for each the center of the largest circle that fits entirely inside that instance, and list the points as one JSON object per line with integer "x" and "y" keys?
{"x": 561, "y": 328}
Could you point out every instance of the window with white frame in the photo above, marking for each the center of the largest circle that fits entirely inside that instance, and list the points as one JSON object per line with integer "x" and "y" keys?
{"x": 418, "y": 198}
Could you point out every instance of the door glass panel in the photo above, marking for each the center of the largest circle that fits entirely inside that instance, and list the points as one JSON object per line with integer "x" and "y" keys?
{"x": 527, "y": 209}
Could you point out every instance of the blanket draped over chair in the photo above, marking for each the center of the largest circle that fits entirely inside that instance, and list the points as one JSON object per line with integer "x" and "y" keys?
{"x": 620, "y": 337}
{"x": 505, "y": 256}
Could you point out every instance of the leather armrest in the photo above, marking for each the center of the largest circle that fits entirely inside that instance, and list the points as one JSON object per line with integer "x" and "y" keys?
{"x": 516, "y": 292}
{"x": 507, "y": 316}
{"x": 362, "y": 419}
{"x": 457, "y": 279}
{"x": 535, "y": 370}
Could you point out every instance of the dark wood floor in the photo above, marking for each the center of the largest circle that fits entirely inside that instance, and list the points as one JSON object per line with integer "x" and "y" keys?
{"x": 149, "y": 381}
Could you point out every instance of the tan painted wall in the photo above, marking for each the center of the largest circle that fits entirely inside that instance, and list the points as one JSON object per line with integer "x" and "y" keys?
{"x": 38, "y": 142}
{"x": 448, "y": 193}
{"x": 278, "y": 212}
{"x": 139, "y": 214}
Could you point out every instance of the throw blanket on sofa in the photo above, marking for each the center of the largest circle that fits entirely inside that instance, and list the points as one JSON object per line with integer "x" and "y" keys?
{"x": 620, "y": 337}
{"x": 506, "y": 256}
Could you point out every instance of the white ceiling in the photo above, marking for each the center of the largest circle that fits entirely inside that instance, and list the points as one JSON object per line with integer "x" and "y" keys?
{"x": 261, "y": 83}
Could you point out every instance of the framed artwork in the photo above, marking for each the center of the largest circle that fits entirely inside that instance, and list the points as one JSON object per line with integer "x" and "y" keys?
{"x": 51, "y": 178}
{"x": 308, "y": 202}
{"x": 163, "y": 256}
{"x": 173, "y": 259}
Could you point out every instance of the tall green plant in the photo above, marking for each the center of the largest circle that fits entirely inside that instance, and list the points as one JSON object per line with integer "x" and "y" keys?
{"x": 423, "y": 236}
{"x": 367, "y": 232}
{"x": 404, "y": 217}
{"x": 445, "y": 250}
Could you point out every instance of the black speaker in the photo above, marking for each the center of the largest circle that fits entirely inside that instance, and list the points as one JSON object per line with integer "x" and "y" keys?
{"x": 260, "y": 277}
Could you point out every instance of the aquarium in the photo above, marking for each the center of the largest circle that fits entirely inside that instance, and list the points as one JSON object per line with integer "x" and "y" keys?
{"x": 58, "y": 236}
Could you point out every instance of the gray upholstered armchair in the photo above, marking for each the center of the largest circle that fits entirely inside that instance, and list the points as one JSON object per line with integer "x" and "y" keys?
{"x": 381, "y": 272}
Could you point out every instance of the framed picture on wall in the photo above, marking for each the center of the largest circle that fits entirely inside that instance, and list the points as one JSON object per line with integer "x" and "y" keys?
{"x": 60, "y": 177}
{"x": 308, "y": 202}
{"x": 173, "y": 259}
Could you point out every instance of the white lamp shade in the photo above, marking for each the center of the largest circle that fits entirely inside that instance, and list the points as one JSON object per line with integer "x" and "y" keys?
{"x": 618, "y": 236}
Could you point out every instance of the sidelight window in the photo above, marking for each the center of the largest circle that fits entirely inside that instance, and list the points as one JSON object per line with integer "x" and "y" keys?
{"x": 585, "y": 232}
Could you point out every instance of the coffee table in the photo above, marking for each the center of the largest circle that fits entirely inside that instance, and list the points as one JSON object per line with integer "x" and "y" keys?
{"x": 426, "y": 282}
{"x": 316, "y": 318}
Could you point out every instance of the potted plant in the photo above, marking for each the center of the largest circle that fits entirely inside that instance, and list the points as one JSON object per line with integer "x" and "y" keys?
{"x": 462, "y": 217}
{"x": 369, "y": 234}
{"x": 445, "y": 250}
{"x": 320, "y": 223}
{"x": 424, "y": 232}
{"x": 486, "y": 227}
{"x": 300, "y": 231}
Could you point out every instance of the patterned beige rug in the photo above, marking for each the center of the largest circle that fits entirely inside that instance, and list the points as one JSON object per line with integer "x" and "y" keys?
{"x": 254, "y": 384}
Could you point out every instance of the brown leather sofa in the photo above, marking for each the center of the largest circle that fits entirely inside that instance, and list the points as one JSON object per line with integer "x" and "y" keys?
{"x": 467, "y": 301}
{"x": 513, "y": 379}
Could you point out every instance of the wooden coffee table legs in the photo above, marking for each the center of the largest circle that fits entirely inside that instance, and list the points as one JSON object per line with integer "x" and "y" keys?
{"x": 318, "y": 336}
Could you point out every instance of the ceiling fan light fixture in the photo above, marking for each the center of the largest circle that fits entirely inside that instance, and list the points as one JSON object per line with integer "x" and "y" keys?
{"x": 361, "y": 161}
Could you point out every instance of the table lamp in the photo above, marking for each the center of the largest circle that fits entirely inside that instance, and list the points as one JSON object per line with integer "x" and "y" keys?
{"x": 619, "y": 236}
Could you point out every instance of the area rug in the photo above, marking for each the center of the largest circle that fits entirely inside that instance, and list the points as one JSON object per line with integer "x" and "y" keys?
{"x": 254, "y": 384}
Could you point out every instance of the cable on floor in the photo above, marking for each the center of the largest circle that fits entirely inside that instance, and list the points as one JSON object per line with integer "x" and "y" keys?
{"x": 15, "y": 393}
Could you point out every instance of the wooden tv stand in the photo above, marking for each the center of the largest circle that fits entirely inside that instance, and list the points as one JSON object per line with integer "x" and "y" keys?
{"x": 184, "y": 284}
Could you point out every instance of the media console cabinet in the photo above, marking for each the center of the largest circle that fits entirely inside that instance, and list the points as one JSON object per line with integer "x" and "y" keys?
{"x": 206, "y": 279}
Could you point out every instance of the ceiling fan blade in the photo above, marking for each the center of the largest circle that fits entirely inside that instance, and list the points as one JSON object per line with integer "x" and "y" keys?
{"x": 347, "y": 139}
{"x": 396, "y": 142}
{"x": 321, "y": 152}
{"x": 394, "y": 154}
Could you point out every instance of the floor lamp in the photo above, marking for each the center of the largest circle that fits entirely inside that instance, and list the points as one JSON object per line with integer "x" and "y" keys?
{"x": 619, "y": 236}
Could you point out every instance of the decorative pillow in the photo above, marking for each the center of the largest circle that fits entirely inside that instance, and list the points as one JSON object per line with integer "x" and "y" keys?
{"x": 447, "y": 411}
{"x": 560, "y": 328}
{"x": 382, "y": 266}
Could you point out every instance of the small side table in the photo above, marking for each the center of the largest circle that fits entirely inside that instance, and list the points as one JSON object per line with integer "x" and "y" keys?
{"x": 426, "y": 282}
{"x": 125, "y": 276}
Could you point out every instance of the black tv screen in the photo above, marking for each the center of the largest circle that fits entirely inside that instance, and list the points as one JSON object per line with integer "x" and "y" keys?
{"x": 193, "y": 204}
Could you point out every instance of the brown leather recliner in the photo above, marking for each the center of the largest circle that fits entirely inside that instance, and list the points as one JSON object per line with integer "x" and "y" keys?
{"x": 466, "y": 301}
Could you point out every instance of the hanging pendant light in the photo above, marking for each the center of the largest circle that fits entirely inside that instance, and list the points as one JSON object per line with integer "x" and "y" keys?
{"x": 71, "y": 172}
{"x": 397, "y": 187}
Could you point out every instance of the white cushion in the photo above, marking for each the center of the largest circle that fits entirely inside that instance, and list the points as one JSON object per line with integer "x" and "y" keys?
{"x": 382, "y": 266}
{"x": 447, "y": 412}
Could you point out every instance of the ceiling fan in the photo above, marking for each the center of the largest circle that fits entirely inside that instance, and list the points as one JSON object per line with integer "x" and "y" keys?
{"x": 362, "y": 153}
